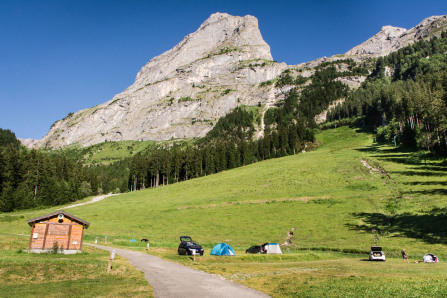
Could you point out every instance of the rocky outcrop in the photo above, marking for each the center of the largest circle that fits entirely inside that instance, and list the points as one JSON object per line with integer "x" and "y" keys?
{"x": 182, "y": 92}
{"x": 390, "y": 39}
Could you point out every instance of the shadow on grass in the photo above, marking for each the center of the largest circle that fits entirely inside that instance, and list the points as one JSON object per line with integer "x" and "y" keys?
{"x": 444, "y": 183}
{"x": 430, "y": 192}
{"x": 370, "y": 149}
{"x": 429, "y": 227}
{"x": 433, "y": 168}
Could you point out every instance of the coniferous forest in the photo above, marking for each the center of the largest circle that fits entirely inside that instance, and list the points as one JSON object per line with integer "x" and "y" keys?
{"x": 31, "y": 178}
{"x": 403, "y": 99}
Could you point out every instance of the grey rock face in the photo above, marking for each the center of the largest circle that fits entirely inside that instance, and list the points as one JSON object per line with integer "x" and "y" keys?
{"x": 182, "y": 92}
{"x": 390, "y": 39}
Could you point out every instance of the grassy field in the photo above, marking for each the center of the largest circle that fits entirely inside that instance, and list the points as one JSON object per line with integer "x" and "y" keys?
{"x": 108, "y": 152}
{"x": 323, "y": 274}
{"x": 54, "y": 275}
{"x": 336, "y": 204}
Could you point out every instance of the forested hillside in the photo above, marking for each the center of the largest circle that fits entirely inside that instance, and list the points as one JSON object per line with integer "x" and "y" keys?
{"x": 227, "y": 146}
{"x": 405, "y": 97}
{"x": 289, "y": 128}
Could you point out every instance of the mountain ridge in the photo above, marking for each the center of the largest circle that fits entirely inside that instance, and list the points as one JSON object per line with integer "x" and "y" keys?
{"x": 181, "y": 93}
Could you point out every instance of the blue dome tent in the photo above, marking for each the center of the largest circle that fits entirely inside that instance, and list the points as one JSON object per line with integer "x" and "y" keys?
{"x": 222, "y": 249}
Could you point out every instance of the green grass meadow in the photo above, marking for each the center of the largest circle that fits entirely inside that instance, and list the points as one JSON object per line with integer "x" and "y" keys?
{"x": 337, "y": 206}
{"x": 55, "y": 275}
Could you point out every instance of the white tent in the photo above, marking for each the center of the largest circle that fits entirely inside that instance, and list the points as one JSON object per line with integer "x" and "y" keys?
{"x": 272, "y": 248}
{"x": 430, "y": 258}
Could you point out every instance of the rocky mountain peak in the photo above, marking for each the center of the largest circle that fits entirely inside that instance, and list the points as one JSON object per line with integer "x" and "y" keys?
{"x": 380, "y": 44}
{"x": 182, "y": 92}
{"x": 390, "y": 39}
{"x": 219, "y": 31}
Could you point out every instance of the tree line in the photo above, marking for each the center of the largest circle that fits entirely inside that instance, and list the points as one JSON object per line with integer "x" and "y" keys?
{"x": 31, "y": 178}
{"x": 228, "y": 145}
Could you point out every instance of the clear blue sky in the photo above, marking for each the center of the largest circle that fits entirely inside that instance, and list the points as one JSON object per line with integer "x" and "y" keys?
{"x": 62, "y": 56}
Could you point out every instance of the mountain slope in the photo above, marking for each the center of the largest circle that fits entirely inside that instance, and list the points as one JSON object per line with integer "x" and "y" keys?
{"x": 181, "y": 93}
{"x": 184, "y": 91}
{"x": 264, "y": 201}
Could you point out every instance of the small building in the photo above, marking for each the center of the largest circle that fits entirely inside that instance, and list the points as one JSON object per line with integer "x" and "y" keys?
{"x": 58, "y": 227}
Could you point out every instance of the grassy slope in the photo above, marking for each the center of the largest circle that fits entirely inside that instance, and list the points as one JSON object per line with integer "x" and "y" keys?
{"x": 327, "y": 195}
{"x": 109, "y": 152}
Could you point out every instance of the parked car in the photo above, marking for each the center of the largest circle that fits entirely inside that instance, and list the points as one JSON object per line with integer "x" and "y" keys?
{"x": 376, "y": 254}
{"x": 255, "y": 249}
{"x": 187, "y": 246}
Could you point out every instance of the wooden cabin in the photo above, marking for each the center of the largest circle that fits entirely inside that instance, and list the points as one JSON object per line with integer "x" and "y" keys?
{"x": 61, "y": 227}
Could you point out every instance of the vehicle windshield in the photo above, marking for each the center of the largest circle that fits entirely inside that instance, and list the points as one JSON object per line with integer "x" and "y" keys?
{"x": 191, "y": 243}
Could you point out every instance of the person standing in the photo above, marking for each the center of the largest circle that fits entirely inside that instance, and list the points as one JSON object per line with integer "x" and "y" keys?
{"x": 405, "y": 256}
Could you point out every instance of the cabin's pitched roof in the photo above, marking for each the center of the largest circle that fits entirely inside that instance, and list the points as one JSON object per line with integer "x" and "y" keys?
{"x": 48, "y": 216}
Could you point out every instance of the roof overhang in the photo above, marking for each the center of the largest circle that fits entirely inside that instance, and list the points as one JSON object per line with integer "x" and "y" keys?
{"x": 32, "y": 221}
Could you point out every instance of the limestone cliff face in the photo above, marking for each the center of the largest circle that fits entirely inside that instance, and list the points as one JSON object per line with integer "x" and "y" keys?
{"x": 182, "y": 92}
{"x": 390, "y": 39}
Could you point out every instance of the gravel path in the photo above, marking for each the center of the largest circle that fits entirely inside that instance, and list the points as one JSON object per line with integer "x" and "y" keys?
{"x": 170, "y": 279}
{"x": 95, "y": 199}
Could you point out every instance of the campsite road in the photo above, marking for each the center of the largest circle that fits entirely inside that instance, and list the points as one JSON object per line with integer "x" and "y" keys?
{"x": 170, "y": 279}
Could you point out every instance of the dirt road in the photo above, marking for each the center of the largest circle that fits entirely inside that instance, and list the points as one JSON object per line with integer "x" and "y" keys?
{"x": 174, "y": 280}
{"x": 95, "y": 199}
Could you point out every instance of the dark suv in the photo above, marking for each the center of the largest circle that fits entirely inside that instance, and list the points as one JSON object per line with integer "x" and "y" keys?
{"x": 255, "y": 249}
{"x": 187, "y": 246}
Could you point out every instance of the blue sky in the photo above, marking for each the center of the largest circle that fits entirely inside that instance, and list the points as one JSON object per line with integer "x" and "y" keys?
{"x": 62, "y": 56}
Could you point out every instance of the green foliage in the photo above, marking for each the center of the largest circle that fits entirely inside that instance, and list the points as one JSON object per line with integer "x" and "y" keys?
{"x": 238, "y": 123}
{"x": 7, "y": 137}
{"x": 187, "y": 98}
{"x": 30, "y": 178}
{"x": 223, "y": 51}
{"x": 353, "y": 68}
{"x": 226, "y": 91}
{"x": 286, "y": 78}
{"x": 228, "y": 145}
{"x": 267, "y": 83}
{"x": 68, "y": 116}
{"x": 302, "y": 107}
{"x": 410, "y": 105}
